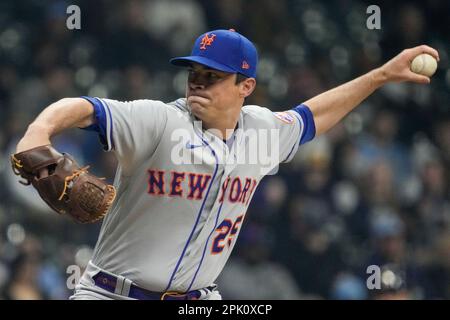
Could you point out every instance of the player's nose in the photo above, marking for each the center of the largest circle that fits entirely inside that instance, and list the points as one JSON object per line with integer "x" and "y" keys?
{"x": 196, "y": 85}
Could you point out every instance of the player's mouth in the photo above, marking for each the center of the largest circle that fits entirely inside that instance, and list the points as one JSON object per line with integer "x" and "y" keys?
{"x": 197, "y": 94}
{"x": 197, "y": 103}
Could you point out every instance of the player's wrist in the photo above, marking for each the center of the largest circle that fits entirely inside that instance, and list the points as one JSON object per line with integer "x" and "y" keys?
{"x": 36, "y": 135}
{"x": 379, "y": 77}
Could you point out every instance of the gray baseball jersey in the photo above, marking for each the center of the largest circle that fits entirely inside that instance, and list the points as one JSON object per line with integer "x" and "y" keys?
{"x": 182, "y": 192}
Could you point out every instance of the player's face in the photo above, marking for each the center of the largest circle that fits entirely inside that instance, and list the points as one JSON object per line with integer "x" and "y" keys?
{"x": 212, "y": 93}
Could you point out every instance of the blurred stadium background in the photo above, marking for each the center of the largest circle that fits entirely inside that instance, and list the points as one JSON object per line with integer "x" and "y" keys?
{"x": 373, "y": 191}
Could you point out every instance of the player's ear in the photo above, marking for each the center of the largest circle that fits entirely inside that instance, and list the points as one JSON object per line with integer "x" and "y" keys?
{"x": 246, "y": 87}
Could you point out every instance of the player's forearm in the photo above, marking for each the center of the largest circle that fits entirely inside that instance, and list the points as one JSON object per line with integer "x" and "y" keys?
{"x": 331, "y": 106}
{"x": 59, "y": 116}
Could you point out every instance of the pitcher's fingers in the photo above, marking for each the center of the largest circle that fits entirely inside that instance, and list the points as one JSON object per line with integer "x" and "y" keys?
{"x": 418, "y": 78}
{"x": 414, "y": 52}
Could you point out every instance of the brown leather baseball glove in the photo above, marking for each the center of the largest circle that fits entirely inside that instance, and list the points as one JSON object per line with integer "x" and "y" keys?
{"x": 68, "y": 188}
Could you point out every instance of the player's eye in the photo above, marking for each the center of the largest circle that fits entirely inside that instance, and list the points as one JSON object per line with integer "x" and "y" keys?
{"x": 212, "y": 76}
{"x": 204, "y": 77}
{"x": 192, "y": 75}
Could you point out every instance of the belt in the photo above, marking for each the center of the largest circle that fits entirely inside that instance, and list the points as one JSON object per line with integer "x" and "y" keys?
{"x": 109, "y": 283}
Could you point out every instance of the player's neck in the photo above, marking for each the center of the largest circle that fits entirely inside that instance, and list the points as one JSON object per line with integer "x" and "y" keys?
{"x": 223, "y": 128}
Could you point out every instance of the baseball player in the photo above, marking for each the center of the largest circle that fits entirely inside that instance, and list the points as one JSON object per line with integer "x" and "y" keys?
{"x": 182, "y": 192}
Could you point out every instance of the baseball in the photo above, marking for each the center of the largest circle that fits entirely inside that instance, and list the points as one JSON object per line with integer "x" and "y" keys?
{"x": 424, "y": 64}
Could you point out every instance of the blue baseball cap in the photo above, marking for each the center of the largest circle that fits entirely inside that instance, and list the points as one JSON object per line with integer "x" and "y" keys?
{"x": 223, "y": 50}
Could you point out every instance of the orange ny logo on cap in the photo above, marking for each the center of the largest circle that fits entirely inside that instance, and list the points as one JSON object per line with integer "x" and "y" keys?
{"x": 207, "y": 41}
{"x": 245, "y": 65}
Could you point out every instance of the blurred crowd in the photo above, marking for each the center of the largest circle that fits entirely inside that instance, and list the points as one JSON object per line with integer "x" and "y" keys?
{"x": 372, "y": 193}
